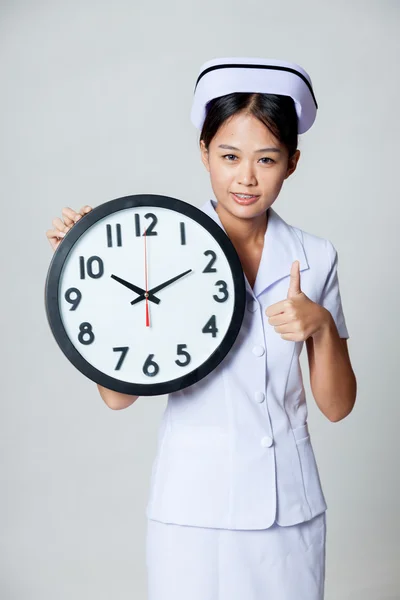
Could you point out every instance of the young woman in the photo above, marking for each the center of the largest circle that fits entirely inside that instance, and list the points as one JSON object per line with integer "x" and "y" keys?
{"x": 236, "y": 509}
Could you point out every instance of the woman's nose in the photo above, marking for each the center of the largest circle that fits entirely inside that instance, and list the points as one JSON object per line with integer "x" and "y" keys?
{"x": 246, "y": 175}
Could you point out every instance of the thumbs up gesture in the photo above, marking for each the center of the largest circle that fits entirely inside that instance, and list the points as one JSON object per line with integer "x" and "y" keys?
{"x": 297, "y": 317}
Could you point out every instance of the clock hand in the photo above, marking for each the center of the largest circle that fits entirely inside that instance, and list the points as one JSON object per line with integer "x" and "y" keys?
{"x": 145, "y": 274}
{"x": 164, "y": 285}
{"x": 136, "y": 289}
{"x": 160, "y": 287}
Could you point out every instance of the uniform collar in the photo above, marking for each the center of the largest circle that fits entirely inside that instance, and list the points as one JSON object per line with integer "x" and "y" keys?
{"x": 281, "y": 248}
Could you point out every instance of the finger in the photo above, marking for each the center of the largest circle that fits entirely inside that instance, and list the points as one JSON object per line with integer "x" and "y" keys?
{"x": 281, "y": 319}
{"x": 285, "y": 328}
{"x": 276, "y": 309}
{"x": 85, "y": 209}
{"x": 69, "y": 215}
{"x": 55, "y": 237}
{"x": 60, "y": 225}
{"x": 55, "y": 234}
{"x": 294, "y": 285}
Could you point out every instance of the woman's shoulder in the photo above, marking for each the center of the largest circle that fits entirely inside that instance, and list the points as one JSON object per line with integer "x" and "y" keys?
{"x": 315, "y": 246}
{"x": 321, "y": 253}
{"x": 308, "y": 239}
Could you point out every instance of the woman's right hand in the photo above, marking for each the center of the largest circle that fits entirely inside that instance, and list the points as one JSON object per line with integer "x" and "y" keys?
{"x": 61, "y": 227}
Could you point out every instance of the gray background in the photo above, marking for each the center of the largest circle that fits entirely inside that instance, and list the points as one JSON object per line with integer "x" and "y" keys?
{"x": 94, "y": 104}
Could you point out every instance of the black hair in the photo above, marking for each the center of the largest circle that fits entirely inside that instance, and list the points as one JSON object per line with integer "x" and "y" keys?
{"x": 277, "y": 112}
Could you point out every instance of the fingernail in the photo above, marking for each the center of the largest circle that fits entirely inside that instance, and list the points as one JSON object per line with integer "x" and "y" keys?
{"x": 61, "y": 234}
{"x": 77, "y": 217}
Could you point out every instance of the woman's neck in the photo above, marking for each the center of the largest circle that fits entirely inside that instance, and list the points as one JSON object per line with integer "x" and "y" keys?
{"x": 243, "y": 232}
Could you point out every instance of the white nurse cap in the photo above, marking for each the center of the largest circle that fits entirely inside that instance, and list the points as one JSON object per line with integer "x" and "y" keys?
{"x": 221, "y": 76}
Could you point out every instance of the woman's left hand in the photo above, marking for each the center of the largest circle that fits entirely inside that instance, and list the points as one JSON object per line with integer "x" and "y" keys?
{"x": 297, "y": 317}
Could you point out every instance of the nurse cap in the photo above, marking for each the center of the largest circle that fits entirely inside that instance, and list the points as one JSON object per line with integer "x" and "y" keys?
{"x": 221, "y": 76}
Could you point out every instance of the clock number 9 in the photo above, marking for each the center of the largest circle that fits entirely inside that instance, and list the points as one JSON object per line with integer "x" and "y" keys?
{"x": 224, "y": 289}
{"x": 150, "y": 364}
{"x": 73, "y": 301}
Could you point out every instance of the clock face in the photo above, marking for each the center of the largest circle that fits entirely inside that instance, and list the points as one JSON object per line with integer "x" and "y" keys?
{"x": 101, "y": 316}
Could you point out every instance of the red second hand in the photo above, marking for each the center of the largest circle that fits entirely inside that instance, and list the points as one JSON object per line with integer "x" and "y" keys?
{"x": 146, "y": 286}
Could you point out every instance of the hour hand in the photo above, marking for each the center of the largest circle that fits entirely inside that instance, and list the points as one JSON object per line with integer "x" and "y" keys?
{"x": 162, "y": 286}
{"x": 136, "y": 289}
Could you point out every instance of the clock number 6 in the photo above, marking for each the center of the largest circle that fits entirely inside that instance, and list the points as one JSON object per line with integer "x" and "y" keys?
{"x": 150, "y": 367}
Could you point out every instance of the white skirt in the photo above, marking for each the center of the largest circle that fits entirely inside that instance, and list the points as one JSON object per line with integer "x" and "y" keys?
{"x": 198, "y": 563}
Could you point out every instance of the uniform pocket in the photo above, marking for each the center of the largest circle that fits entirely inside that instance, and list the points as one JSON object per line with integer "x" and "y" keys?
{"x": 311, "y": 479}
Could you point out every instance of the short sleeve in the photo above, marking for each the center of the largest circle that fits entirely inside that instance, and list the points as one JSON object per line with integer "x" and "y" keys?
{"x": 330, "y": 296}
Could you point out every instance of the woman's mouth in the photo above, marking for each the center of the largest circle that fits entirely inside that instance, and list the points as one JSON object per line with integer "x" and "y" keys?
{"x": 244, "y": 199}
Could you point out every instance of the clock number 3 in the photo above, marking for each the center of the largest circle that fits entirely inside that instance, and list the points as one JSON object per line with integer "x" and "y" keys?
{"x": 223, "y": 289}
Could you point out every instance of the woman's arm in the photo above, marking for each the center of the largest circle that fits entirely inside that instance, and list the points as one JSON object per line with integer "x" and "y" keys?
{"x": 332, "y": 380}
{"x": 116, "y": 400}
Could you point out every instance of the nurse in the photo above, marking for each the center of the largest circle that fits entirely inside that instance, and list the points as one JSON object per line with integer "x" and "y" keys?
{"x": 236, "y": 508}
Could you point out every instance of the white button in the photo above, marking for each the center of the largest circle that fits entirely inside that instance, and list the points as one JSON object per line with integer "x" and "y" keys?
{"x": 258, "y": 350}
{"x": 259, "y": 396}
{"x": 266, "y": 441}
{"x": 252, "y": 305}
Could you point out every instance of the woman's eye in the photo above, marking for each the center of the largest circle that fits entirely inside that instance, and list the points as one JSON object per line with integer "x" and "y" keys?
{"x": 266, "y": 158}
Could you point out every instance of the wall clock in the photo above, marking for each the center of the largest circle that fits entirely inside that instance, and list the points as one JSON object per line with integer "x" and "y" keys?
{"x": 145, "y": 295}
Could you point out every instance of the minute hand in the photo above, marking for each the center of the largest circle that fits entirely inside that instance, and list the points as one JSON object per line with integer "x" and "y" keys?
{"x": 136, "y": 289}
{"x": 161, "y": 286}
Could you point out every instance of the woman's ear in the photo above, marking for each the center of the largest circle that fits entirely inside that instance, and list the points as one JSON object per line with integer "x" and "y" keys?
{"x": 292, "y": 163}
{"x": 204, "y": 155}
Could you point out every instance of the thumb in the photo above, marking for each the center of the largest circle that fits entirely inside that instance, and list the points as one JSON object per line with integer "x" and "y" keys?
{"x": 294, "y": 285}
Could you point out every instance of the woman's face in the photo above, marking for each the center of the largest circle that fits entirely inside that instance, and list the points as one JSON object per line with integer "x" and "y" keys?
{"x": 245, "y": 158}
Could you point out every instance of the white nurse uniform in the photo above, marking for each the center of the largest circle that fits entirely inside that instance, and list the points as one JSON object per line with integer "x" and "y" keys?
{"x": 236, "y": 508}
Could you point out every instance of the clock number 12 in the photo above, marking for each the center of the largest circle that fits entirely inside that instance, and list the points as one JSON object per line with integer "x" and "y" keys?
{"x": 149, "y": 229}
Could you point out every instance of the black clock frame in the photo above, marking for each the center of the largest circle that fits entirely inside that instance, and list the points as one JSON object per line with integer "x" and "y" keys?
{"x": 52, "y": 295}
